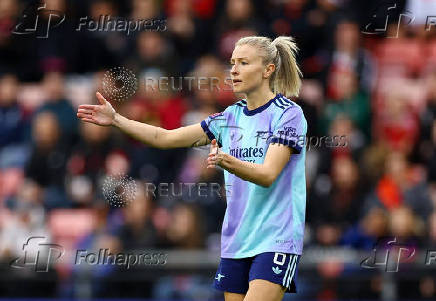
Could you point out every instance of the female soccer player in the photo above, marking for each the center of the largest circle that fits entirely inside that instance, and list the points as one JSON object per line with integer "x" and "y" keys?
{"x": 262, "y": 232}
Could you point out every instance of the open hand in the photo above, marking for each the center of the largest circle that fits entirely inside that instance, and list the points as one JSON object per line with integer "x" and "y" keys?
{"x": 102, "y": 114}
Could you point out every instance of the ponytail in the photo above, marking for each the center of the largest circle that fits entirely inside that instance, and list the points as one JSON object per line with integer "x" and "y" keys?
{"x": 286, "y": 79}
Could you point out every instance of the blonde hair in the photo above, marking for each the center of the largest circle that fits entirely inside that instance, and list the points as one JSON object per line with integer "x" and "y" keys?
{"x": 286, "y": 79}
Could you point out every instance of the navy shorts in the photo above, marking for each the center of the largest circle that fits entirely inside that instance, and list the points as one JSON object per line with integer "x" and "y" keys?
{"x": 233, "y": 275}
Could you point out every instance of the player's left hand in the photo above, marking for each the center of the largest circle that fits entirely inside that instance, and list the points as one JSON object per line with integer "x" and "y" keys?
{"x": 215, "y": 155}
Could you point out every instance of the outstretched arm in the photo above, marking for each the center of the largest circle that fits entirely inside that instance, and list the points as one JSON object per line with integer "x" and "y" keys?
{"x": 263, "y": 174}
{"x": 105, "y": 115}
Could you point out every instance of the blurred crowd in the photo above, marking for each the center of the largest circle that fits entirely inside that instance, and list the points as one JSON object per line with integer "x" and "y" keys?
{"x": 378, "y": 88}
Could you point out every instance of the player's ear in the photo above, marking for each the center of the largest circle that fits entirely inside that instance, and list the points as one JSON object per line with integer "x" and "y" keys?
{"x": 269, "y": 70}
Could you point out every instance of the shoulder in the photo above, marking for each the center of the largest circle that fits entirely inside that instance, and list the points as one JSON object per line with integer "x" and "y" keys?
{"x": 283, "y": 103}
{"x": 286, "y": 108}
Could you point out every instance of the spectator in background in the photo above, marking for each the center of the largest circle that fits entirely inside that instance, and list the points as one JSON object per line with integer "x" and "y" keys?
{"x": 155, "y": 53}
{"x": 187, "y": 229}
{"x": 343, "y": 139}
{"x": 89, "y": 155}
{"x": 48, "y": 159}
{"x": 352, "y": 140}
{"x": 203, "y": 102}
{"x": 27, "y": 219}
{"x": 427, "y": 139}
{"x": 348, "y": 100}
{"x": 399, "y": 187}
{"x": 427, "y": 288}
{"x": 431, "y": 225}
{"x": 212, "y": 83}
{"x": 13, "y": 124}
{"x": 308, "y": 22}
{"x": 184, "y": 30}
{"x": 349, "y": 55}
{"x": 145, "y": 9}
{"x": 237, "y": 21}
{"x": 87, "y": 163}
{"x": 407, "y": 230}
{"x": 12, "y": 52}
{"x": 388, "y": 192}
{"x": 138, "y": 232}
{"x": 406, "y": 226}
{"x": 364, "y": 234}
{"x": 98, "y": 49}
{"x": 56, "y": 103}
{"x": 210, "y": 192}
{"x": 396, "y": 124}
{"x": 53, "y": 50}
{"x": 334, "y": 206}
{"x": 104, "y": 237}
{"x": 311, "y": 99}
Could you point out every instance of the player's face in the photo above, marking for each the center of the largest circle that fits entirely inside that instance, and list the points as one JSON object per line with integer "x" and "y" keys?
{"x": 247, "y": 69}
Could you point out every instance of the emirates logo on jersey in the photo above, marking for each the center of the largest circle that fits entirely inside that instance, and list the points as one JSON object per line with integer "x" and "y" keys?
{"x": 216, "y": 115}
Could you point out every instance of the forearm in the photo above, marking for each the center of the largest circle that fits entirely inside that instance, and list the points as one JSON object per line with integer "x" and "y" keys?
{"x": 252, "y": 172}
{"x": 148, "y": 134}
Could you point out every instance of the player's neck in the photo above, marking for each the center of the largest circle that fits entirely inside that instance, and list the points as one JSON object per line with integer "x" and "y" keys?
{"x": 258, "y": 98}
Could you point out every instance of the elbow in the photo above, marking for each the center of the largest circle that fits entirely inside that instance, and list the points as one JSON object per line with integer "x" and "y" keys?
{"x": 267, "y": 180}
{"x": 264, "y": 184}
{"x": 161, "y": 139}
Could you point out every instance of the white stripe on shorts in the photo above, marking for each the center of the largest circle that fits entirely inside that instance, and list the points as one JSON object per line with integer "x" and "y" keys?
{"x": 287, "y": 270}
{"x": 293, "y": 269}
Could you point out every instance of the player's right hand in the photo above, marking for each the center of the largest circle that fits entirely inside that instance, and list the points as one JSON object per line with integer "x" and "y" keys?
{"x": 215, "y": 155}
{"x": 101, "y": 114}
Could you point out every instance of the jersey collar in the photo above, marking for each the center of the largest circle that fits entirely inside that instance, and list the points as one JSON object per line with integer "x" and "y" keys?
{"x": 261, "y": 108}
